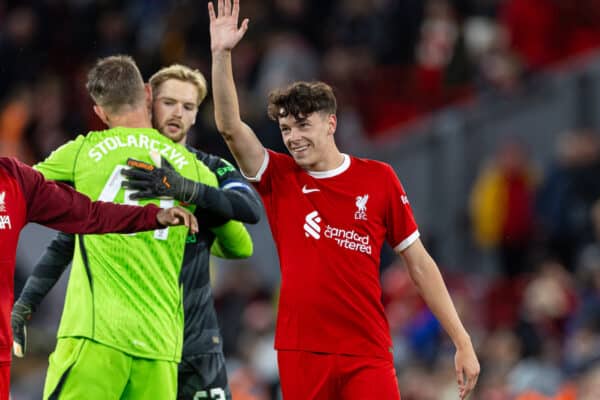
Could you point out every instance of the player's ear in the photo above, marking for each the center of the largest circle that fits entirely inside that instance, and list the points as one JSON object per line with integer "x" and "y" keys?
{"x": 148, "y": 95}
{"x": 332, "y": 122}
{"x": 99, "y": 111}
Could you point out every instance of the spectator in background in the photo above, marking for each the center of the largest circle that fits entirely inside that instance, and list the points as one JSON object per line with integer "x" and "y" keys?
{"x": 435, "y": 48}
{"x": 19, "y": 44}
{"x": 567, "y": 193}
{"x": 51, "y": 124}
{"x": 502, "y": 207}
{"x": 496, "y": 68}
{"x": 15, "y": 115}
{"x": 534, "y": 30}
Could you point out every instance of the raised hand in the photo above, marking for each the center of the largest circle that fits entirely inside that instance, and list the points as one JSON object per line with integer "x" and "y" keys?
{"x": 224, "y": 31}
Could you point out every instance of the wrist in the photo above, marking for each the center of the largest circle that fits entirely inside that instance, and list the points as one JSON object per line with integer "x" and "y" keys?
{"x": 463, "y": 343}
{"x": 221, "y": 52}
{"x": 191, "y": 192}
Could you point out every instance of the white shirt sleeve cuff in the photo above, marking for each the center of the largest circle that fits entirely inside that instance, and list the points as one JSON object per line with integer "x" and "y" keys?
{"x": 261, "y": 170}
{"x": 403, "y": 245}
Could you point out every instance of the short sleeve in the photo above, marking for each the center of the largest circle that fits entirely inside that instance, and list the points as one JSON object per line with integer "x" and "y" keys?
{"x": 60, "y": 164}
{"x": 402, "y": 230}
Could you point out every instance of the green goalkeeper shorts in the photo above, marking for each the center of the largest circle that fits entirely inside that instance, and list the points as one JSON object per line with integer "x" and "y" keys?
{"x": 83, "y": 369}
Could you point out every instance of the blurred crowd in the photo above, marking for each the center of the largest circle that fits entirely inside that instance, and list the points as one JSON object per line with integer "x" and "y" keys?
{"x": 535, "y": 321}
{"x": 390, "y": 61}
{"x": 539, "y": 316}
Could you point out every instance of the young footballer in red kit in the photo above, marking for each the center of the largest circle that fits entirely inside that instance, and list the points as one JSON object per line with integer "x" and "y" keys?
{"x": 329, "y": 214}
{"x": 25, "y": 196}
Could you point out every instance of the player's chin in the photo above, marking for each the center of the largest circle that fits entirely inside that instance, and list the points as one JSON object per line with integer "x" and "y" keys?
{"x": 303, "y": 161}
{"x": 174, "y": 135}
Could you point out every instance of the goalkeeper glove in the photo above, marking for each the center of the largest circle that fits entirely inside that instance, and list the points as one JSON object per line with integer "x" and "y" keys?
{"x": 151, "y": 181}
{"x": 19, "y": 317}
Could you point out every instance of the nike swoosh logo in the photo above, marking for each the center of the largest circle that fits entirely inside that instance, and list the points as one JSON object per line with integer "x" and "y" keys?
{"x": 305, "y": 190}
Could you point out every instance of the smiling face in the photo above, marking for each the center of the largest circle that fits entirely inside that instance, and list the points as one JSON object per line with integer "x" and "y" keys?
{"x": 309, "y": 139}
{"x": 174, "y": 108}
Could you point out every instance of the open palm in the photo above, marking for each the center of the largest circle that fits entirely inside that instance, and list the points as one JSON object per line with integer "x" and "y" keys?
{"x": 224, "y": 31}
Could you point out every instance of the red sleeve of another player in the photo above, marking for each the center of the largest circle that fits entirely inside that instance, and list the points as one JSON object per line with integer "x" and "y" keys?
{"x": 402, "y": 228}
{"x": 61, "y": 207}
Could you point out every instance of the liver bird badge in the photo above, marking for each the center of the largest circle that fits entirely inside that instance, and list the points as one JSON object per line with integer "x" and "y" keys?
{"x": 361, "y": 205}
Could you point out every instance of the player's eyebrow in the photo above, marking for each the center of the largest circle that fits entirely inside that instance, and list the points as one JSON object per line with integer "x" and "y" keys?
{"x": 185, "y": 102}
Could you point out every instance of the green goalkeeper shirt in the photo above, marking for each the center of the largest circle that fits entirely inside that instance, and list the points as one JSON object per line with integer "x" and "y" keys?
{"x": 124, "y": 290}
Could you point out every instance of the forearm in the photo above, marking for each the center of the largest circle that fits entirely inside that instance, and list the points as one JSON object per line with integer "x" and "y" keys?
{"x": 229, "y": 205}
{"x": 430, "y": 284}
{"x": 48, "y": 270}
{"x": 227, "y": 111}
{"x": 60, "y": 207}
{"x": 245, "y": 147}
{"x": 120, "y": 218}
{"x": 232, "y": 241}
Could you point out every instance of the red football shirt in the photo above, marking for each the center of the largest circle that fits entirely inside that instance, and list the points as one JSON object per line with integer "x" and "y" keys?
{"x": 25, "y": 196}
{"x": 329, "y": 228}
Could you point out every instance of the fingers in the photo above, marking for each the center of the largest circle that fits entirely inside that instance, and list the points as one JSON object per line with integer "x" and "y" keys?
{"x": 20, "y": 336}
{"x": 224, "y": 9}
{"x": 211, "y": 12}
{"x": 460, "y": 379}
{"x": 243, "y": 27}
{"x": 136, "y": 185}
{"x": 169, "y": 218}
{"x": 466, "y": 382}
{"x": 470, "y": 384}
{"x": 179, "y": 216}
{"x": 193, "y": 224}
{"x": 142, "y": 194}
{"x": 188, "y": 219}
{"x": 136, "y": 173}
{"x": 18, "y": 350}
{"x": 140, "y": 164}
{"x": 235, "y": 12}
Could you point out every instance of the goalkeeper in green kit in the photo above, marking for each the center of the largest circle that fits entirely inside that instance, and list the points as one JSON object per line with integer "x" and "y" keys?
{"x": 121, "y": 331}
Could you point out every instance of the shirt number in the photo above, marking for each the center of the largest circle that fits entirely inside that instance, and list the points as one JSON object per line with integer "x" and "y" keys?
{"x": 213, "y": 394}
{"x": 112, "y": 188}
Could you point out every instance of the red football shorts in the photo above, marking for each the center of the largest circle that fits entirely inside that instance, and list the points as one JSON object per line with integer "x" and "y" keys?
{"x": 322, "y": 376}
{"x": 4, "y": 380}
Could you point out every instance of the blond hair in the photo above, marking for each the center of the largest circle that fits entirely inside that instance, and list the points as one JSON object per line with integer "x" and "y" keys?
{"x": 181, "y": 73}
{"x": 116, "y": 82}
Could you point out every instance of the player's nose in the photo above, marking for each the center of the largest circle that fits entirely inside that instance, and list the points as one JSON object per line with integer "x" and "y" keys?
{"x": 178, "y": 111}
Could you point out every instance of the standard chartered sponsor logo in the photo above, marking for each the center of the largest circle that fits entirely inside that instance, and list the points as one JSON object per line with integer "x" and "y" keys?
{"x": 349, "y": 239}
{"x": 311, "y": 225}
{"x": 345, "y": 238}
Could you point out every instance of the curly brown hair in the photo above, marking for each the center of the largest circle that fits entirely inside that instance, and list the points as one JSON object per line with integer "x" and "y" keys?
{"x": 301, "y": 99}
